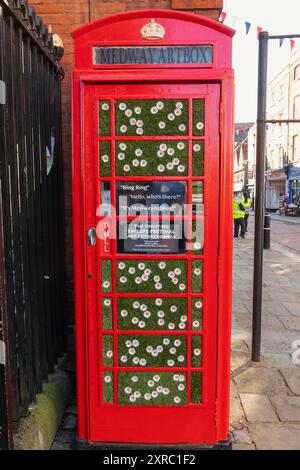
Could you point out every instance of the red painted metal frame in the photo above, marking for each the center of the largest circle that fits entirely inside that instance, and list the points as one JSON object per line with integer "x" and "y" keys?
{"x": 184, "y": 29}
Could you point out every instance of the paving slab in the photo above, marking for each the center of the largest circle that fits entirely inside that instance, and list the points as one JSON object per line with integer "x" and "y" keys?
{"x": 290, "y": 322}
{"x": 292, "y": 307}
{"x": 275, "y": 436}
{"x": 260, "y": 380}
{"x": 287, "y": 408}
{"x": 292, "y": 378}
{"x": 258, "y": 408}
{"x": 236, "y": 411}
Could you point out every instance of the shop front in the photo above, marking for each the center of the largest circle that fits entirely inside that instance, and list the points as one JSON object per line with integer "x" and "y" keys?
{"x": 276, "y": 187}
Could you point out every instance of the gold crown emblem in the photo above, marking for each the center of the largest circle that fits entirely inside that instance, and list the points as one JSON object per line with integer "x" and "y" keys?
{"x": 153, "y": 30}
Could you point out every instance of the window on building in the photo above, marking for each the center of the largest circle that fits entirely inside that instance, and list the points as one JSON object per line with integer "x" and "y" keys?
{"x": 297, "y": 72}
{"x": 296, "y": 107}
{"x": 280, "y": 131}
{"x": 296, "y": 148}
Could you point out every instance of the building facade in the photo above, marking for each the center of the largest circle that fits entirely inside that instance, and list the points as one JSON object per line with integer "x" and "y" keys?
{"x": 241, "y": 151}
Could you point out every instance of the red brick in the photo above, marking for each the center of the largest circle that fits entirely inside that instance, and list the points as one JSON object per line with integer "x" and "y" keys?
{"x": 197, "y": 4}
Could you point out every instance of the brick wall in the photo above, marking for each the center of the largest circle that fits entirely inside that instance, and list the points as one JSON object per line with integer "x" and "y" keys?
{"x": 64, "y": 16}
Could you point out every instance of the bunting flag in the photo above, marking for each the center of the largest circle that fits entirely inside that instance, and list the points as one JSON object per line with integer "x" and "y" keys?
{"x": 292, "y": 42}
{"x": 223, "y": 16}
{"x": 248, "y": 26}
{"x": 259, "y": 30}
{"x": 281, "y": 41}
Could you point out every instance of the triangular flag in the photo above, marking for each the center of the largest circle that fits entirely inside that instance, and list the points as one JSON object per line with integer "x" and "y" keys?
{"x": 292, "y": 44}
{"x": 281, "y": 41}
{"x": 259, "y": 30}
{"x": 248, "y": 26}
{"x": 223, "y": 16}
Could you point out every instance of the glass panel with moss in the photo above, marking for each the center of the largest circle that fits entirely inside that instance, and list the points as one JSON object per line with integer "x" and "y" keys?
{"x": 196, "y": 387}
{"x": 152, "y": 388}
{"x": 197, "y": 266}
{"x": 107, "y": 322}
{"x": 151, "y": 313}
{"x": 151, "y": 276}
{"x": 196, "y": 351}
{"x": 108, "y": 350}
{"x": 148, "y": 157}
{"x": 197, "y": 311}
{"x": 198, "y": 117}
{"x": 106, "y": 275}
{"x": 104, "y": 148}
{"x": 198, "y": 236}
{"x": 198, "y": 198}
{"x": 152, "y": 350}
{"x": 151, "y": 117}
{"x": 104, "y": 118}
{"x": 108, "y": 387}
{"x": 198, "y": 158}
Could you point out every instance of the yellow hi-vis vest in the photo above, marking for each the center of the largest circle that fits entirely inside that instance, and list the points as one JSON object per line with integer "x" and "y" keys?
{"x": 237, "y": 213}
{"x": 246, "y": 204}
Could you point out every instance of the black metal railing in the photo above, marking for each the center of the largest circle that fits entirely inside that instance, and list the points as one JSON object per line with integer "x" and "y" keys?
{"x": 32, "y": 313}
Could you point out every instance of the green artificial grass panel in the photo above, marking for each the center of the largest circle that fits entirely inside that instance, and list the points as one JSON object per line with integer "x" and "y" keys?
{"x": 196, "y": 277}
{"x": 196, "y": 387}
{"x": 198, "y": 158}
{"x": 198, "y": 117}
{"x": 105, "y": 156}
{"x": 152, "y": 154}
{"x": 108, "y": 387}
{"x": 196, "y": 351}
{"x": 107, "y": 350}
{"x": 198, "y": 236}
{"x": 197, "y": 313}
{"x": 104, "y": 117}
{"x": 107, "y": 322}
{"x": 134, "y": 282}
{"x": 134, "y": 349}
{"x": 152, "y": 312}
{"x": 149, "y": 122}
{"x": 106, "y": 275}
{"x": 152, "y": 388}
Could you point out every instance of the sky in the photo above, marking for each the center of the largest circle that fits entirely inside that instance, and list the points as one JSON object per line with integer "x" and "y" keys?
{"x": 276, "y": 17}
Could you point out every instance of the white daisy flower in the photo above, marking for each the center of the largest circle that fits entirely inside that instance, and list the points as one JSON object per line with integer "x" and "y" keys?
{"x": 176, "y": 377}
{"x": 170, "y": 166}
{"x": 170, "y": 151}
{"x": 131, "y": 351}
{"x": 132, "y": 121}
{"x": 123, "y": 279}
{"x": 138, "y": 280}
{"x": 183, "y": 318}
{"x": 181, "y": 387}
{"x": 137, "y": 394}
{"x": 121, "y": 156}
{"x": 154, "y": 394}
{"x": 171, "y": 274}
{"x": 171, "y": 116}
{"x": 137, "y": 110}
{"x": 132, "y": 398}
{"x": 158, "y": 286}
{"x": 147, "y": 396}
{"x": 128, "y": 112}
{"x": 136, "y": 304}
{"x": 156, "y": 378}
{"x": 177, "y": 271}
{"x": 107, "y": 379}
{"x": 127, "y": 390}
{"x": 123, "y": 358}
{"x": 105, "y": 158}
{"x": 180, "y": 358}
{"x": 161, "y": 322}
{"x": 135, "y": 360}
{"x": 126, "y": 168}
{"x": 197, "y": 246}
{"x": 161, "y": 314}
{"x": 160, "y": 348}
{"x": 154, "y": 353}
{"x": 135, "y": 162}
{"x": 162, "y": 265}
{"x": 196, "y": 147}
{"x": 161, "y": 124}
{"x": 122, "y": 106}
{"x": 181, "y": 168}
{"x": 180, "y": 145}
{"x": 134, "y": 320}
{"x": 175, "y": 280}
{"x": 197, "y": 352}
{"x": 154, "y": 110}
{"x": 145, "y": 277}
{"x": 123, "y": 128}
{"x": 139, "y": 123}
{"x": 141, "y": 266}
{"x": 138, "y": 152}
{"x": 143, "y": 362}
{"x": 179, "y": 105}
{"x": 107, "y": 302}
{"x": 159, "y": 389}
{"x": 166, "y": 391}
{"x": 128, "y": 343}
{"x": 160, "y": 105}
{"x": 181, "y": 378}
{"x": 171, "y": 326}
{"x": 109, "y": 354}
{"x": 143, "y": 307}
{"x": 177, "y": 343}
{"x": 177, "y": 400}
{"x": 123, "y": 146}
{"x": 198, "y": 304}
{"x": 181, "y": 326}
{"x": 196, "y": 324}
{"x": 182, "y": 127}
{"x": 105, "y": 106}
{"x": 161, "y": 168}
{"x": 121, "y": 265}
{"x": 197, "y": 271}
{"x": 182, "y": 286}
{"x": 160, "y": 153}
{"x": 147, "y": 272}
{"x": 172, "y": 351}
{"x": 156, "y": 278}
{"x": 178, "y": 112}
{"x": 131, "y": 270}
{"x": 158, "y": 302}
{"x": 149, "y": 349}
{"x": 139, "y": 131}
{"x": 151, "y": 383}
{"x": 166, "y": 341}
{"x": 163, "y": 147}
{"x": 135, "y": 343}
{"x": 143, "y": 163}
{"x": 147, "y": 314}
{"x": 170, "y": 363}
{"x": 142, "y": 324}
{"x": 124, "y": 313}
{"x": 106, "y": 284}
{"x": 173, "y": 308}
{"x": 200, "y": 126}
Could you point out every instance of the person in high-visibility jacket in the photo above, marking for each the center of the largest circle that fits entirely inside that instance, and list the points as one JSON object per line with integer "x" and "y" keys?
{"x": 246, "y": 201}
{"x": 238, "y": 217}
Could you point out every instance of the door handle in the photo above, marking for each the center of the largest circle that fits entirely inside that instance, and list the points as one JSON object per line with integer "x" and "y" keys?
{"x": 91, "y": 236}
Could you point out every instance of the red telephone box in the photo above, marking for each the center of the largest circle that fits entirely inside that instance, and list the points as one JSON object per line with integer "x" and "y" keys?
{"x": 153, "y": 122}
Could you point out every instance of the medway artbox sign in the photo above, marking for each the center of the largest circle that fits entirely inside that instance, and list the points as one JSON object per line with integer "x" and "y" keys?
{"x": 201, "y": 54}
